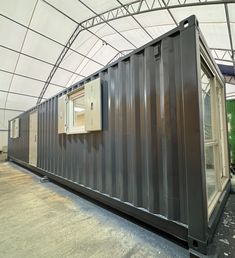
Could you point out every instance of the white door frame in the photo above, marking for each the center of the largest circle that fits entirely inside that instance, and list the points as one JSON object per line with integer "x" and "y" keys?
{"x": 33, "y": 137}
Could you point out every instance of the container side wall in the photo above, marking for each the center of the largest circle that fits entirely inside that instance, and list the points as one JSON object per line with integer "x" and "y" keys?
{"x": 19, "y": 147}
{"x": 138, "y": 156}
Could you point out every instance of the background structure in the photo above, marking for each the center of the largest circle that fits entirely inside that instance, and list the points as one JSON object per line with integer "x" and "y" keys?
{"x": 47, "y": 45}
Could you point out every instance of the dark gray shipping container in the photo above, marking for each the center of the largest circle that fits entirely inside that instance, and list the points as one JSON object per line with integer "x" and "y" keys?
{"x": 148, "y": 160}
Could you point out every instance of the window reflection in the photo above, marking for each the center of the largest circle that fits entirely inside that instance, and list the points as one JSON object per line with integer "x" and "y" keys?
{"x": 206, "y": 98}
{"x": 79, "y": 111}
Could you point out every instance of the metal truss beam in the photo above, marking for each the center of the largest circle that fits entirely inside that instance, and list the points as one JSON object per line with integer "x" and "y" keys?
{"x": 133, "y": 17}
{"x": 78, "y": 30}
{"x": 166, "y": 4}
{"x": 229, "y": 79}
{"x": 121, "y": 11}
{"x": 119, "y": 55}
{"x": 49, "y": 38}
{"x": 142, "y": 6}
{"x": 225, "y": 55}
{"x": 58, "y": 61}
{"x": 97, "y": 15}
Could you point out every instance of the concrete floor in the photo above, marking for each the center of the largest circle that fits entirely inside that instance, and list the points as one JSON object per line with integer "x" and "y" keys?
{"x": 45, "y": 220}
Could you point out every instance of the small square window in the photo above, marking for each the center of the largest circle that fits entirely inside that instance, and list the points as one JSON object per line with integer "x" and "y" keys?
{"x": 80, "y": 111}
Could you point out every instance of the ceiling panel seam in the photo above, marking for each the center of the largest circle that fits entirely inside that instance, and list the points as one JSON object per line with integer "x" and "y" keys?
{"x": 170, "y": 13}
{"x": 18, "y": 58}
{"x": 40, "y": 60}
{"x": 83, "y": 28}
{"x": 20, "y": 94}
{"x": 86, "y": 65}
{"x": 91, "y": 21}
{"x": 206, "y": 3}
{"x": 118, "y": 12}
{"x": 97, "y": 15}
{"x": 62, "y": 55}
{"x": 49, "y": 38}
{"x": 12, "y": 109}
{"x": 136, "y": 19}
{"x": 28, "y": 77}
{"x": 77, "y": 67}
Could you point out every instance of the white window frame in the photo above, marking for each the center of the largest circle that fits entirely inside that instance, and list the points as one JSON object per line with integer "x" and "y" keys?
{"x": 93, "y": 109}
{"x": 220, "y": 132}
{"x": 70, "y": 113}
{"x": 15, "y": 130}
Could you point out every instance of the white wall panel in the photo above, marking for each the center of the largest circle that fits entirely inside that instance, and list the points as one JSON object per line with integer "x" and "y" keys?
{"x": 50, "y": 22}
{"x": 8, "y": 59}
{"x": 51, "y": 91}
{"x": 20, "y": 10}
{"x": 26, "y": 86}
{"x": 3, "y": 96}
{"x": 11, "y": 34}
{"x": 5, "y": 79}
{"x": 20, "y": 102}
{"x": 72, "y": 8}
{"x": 3, "y": 139}
{"x": 41, "y": 47}
{"x": 33, "y": 68}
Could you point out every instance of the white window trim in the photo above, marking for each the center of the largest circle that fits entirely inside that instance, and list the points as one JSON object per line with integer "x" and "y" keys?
{"x": 70, "y": 128}
{"x": 13, "y": 133}
{"x": 217, "y": 140}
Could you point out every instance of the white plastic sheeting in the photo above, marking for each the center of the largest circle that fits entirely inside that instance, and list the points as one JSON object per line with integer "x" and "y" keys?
{"x": 34, "y": 32}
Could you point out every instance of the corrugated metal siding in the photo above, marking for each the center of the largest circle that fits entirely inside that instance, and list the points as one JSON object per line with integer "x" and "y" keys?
{"x": 19, "y": 147}
{"x": 138, "y": 156}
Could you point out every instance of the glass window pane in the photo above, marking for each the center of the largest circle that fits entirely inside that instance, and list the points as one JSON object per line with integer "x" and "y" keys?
{"x": 206, "y": 98}
{"x": 79, "y": 111}
{"x": 210, "y": 171}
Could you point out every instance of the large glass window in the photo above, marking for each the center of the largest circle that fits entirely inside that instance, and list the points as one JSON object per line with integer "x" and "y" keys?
{"x": 209, "y": 133}
{"x": 207, "y": 114}
{"x": 78, "y": 102}
{"x": 215, "y": 135}
{"x": 14, "y": 128}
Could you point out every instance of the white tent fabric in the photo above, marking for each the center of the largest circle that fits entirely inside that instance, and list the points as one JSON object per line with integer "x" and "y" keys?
{"x": 34, "y": 33}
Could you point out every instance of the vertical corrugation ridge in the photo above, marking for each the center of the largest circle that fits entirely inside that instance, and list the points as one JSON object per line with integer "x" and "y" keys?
{"x": 44, "y": 137}
{"x": 55, "y": 135}
{"x": 120, "y": 143}
{"x": 125, "y": 77}
{"x": 46, "y": 133}
{"x": 60, "y": 146}
{"x": 173, "y": 141}
{"x": 144, "y": 152}
{"x": 130, "y": 133}
{"x": 105, "y": 124}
